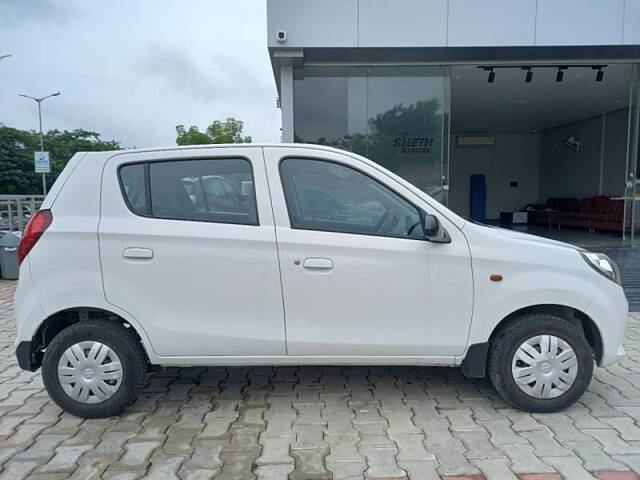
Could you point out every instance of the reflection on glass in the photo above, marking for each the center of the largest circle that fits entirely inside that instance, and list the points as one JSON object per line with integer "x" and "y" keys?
{"x": 396, "y": 116}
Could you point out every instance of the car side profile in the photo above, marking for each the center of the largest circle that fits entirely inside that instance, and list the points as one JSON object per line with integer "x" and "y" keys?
{"x": 294, "y": 254}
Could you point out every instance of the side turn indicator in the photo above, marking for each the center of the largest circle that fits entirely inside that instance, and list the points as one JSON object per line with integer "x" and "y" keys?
{"x": 495, "y": 277}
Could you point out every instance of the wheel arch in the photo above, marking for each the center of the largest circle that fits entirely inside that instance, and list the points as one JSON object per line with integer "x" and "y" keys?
{"x": 57, "y": 322}
{"x": 474, "y": 364}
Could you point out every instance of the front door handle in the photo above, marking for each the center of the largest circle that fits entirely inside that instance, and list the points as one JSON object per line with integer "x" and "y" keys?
{"x": 318, "y": 263}
{"x": 138, "y": 253}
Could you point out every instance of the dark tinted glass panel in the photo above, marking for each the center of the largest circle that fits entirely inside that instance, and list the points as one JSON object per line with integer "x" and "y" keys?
{"x": 219, "y": 190}
{"x": 132, "y": 179}
{"x": 328, "y": 196}
{"x": 395, "y": 115}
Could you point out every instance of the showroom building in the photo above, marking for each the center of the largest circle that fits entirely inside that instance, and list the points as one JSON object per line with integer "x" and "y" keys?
{"x": 492, "y": 107}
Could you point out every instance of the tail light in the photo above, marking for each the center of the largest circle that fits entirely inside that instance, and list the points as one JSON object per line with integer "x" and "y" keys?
{"x": 33, "y": 231}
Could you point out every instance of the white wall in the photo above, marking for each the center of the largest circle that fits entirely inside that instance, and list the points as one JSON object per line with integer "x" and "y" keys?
{"x": 416, "y": 23}
{"x": 591, "y": 171}
{"x": 515, "y": 157}
{"x": 542, "y": 165}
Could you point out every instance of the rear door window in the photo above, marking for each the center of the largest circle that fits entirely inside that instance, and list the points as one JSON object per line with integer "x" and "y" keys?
{"x": 210, "y": 190}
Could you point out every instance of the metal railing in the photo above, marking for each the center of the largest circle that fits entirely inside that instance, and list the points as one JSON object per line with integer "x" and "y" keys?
{"x": 16, "y": 210}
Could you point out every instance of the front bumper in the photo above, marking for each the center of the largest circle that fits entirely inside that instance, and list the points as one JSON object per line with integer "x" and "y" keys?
{"x": 609, "y": 311}
{"x": 26, "y": 358}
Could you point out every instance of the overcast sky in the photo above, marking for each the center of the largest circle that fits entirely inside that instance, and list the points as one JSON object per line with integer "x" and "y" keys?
{"x": 132, "y": 70}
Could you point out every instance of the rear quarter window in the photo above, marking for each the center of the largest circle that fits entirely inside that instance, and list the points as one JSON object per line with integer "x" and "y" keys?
{"x": 132, "y": 182}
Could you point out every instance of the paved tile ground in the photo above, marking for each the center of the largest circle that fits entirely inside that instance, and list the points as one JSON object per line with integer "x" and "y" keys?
{"x": 319, "y": 423}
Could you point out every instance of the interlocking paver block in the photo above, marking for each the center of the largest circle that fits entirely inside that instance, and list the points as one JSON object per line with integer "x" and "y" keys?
{"x": 612, "y": 443}
{"x": 400, "y": 422}
{"x": 275, "y": 450}
{"x": 65, "y": 459}
{"x": 347, "y": 471}
{"x": 523, "y": 460}
{"x": 411, "y": 448}
{"x": 382, "y": 463}
{"x": 562, "y": 427}
{"x": 136, "y": 456}
{"x": 478, "y": 445}
{"x": 594, "y": 457}
{"x": 343, "y": 449}
{"x": 502, "y": 432}
{"x": 569, "y": 467}
{"x": 310, "y": 464}
{"x": 545, "y": 444}
{"x": 309, "y": 437}
{"x": 206, "y": 454}
{"x": 452, "y": 460}
{"x": 495, "y": 468}
{"x": 420, "y": 470}
{"x": 273, "y": 472}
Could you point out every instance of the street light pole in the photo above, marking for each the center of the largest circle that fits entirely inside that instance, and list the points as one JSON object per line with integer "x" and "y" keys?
{"x": 39, "y": 101}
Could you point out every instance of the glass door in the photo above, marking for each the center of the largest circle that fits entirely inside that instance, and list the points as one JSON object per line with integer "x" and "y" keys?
{"x": 632, "y": 182}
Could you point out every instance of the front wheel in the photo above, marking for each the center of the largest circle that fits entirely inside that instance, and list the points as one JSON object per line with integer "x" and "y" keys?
{"x": 540, "y": 363}
{"x": 94, "y": 369}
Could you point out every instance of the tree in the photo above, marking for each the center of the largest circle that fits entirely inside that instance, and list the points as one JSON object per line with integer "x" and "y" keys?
{"x": 17, "y": 174}
{"x": 229, "y": 131}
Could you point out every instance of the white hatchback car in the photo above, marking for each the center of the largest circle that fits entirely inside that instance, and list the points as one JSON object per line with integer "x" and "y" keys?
{"x": 294, "y": 254}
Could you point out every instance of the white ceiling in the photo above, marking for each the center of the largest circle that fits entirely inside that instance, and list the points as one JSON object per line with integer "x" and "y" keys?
{"x": 509, "y": 105}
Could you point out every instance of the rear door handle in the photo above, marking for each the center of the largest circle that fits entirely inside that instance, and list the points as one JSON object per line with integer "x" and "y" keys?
{"x": 318, "y": 263}
{"x": 137, "y": 253}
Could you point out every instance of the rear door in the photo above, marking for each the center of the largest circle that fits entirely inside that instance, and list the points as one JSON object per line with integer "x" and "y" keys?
{"x": 187, "y": 246}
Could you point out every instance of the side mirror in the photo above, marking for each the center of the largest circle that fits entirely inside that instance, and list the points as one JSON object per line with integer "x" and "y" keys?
{"x": 431, "y": 225}
{"x": 433, "y": 231}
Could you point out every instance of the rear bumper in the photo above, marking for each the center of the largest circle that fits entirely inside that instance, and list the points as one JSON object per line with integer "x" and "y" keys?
{"x": 26, "y": 359}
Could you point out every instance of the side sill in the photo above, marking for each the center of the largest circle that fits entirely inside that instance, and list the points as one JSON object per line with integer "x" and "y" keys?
{"x": 474, "y": 364}
{"x": 427, "y": 361}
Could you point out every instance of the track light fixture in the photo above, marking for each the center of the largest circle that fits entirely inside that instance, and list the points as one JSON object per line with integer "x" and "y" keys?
{"x": 528, "y": 78}
{"x": 492, "y": 76}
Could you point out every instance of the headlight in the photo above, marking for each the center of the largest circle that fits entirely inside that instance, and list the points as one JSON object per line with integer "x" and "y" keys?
{"x": 602, "y": 264}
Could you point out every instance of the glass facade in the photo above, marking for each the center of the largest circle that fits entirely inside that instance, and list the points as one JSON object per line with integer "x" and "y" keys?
{"x": 632, "y": 181}
{"x": 398, "y": 116}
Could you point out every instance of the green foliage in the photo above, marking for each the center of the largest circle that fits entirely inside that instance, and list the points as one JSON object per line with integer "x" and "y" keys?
{"x": 229, "y": 131}
{"x": 17, "y": 176}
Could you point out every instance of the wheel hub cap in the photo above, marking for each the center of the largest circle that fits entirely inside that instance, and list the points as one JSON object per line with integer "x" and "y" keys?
{"x": 90, "y": 372}
{"x": 544, "y": 366}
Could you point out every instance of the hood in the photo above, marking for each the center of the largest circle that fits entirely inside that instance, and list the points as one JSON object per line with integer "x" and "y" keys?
{"x": 526, "y": 237}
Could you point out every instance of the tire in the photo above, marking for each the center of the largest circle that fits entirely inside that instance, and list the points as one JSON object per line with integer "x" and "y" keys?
{"x": 118, "y": 387}
{"x": 540, "y": 328}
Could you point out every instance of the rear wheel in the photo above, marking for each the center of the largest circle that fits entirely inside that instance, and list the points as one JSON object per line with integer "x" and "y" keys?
{"x": 540, "y": 363}
{"x": 94, "y": 369}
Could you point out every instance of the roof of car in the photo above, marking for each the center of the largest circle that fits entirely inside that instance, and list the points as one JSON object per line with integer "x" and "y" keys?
{"x": 221, "y": 145}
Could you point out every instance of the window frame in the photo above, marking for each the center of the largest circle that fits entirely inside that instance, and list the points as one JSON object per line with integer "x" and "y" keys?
{"x": 421, "y": 211}
{"x": 147, "y": 189}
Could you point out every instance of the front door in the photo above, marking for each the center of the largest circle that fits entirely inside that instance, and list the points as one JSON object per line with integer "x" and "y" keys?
{"x": 187, "y": 247}
{"x": 358, "y": 277}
